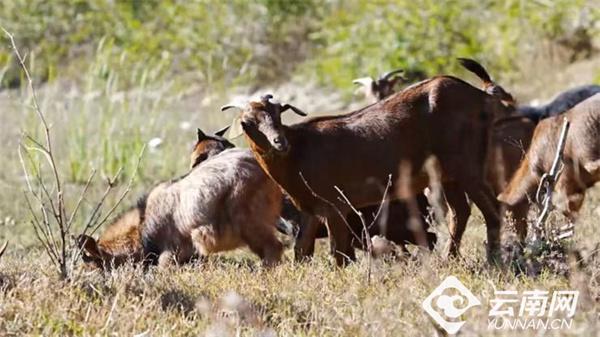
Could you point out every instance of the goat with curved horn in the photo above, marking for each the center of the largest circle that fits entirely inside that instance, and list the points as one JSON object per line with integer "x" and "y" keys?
{"x": 305, "y": 158}
{"x": 382, "y": 87}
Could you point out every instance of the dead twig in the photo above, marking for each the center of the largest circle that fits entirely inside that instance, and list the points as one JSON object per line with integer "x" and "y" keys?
{"x": 545, "y": 189}
{"x": 45, "y": 199}
{"x": 3, "y": 249}
{"x": 367, "y": 242}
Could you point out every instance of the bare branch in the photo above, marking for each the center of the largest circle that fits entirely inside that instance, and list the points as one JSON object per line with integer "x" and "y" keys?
{"x": 79, "y": 201}
{"x": 333, "y": 206}
{"x": 46, "y": 199}
{"x": 3, "y": 249}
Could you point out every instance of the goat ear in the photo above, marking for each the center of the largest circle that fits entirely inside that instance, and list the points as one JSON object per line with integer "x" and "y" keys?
{"x": 294, "y": 109}
{"x": 222, "y": 131}
{"x": 200, "y": 134}
{"x": 89, "y": 246}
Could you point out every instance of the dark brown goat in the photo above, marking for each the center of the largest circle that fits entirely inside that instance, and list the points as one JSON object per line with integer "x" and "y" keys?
{"x": 510, "y": 139}
{"x": 442, "y": 116}
{"x": 581, "y": 159}
{"x": 561, "y": 103}
{"x": 395, "y": 228}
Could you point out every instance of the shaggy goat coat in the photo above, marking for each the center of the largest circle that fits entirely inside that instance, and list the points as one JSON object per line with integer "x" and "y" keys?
{"x": 581, "y": 158}
{"x": 224, "y": 203}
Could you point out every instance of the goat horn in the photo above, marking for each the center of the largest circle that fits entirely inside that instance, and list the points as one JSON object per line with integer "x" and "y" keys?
{"x": 390, "y": 74}
{"x": 266, "y": 98}
{"x": 3, "y": 249}
{"x": 364, "y": 81}
{"x": 222, "y": 131}
{"x": 231, "y": 106}
{"x": 294, "y": 109}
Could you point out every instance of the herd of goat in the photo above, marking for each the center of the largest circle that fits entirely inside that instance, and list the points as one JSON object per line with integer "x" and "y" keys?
{"x": 333, "y": 175}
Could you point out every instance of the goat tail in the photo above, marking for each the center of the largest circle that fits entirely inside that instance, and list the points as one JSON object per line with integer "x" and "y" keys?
{"x": 476, "y": 68}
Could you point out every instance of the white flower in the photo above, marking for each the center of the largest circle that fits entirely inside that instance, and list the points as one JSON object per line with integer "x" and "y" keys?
{"x": 185, "y": 125}
{"x": 155, "y": 142}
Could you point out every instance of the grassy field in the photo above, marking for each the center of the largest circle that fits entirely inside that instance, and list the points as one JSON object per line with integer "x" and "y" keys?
{"x": 231, "y": 294}
{"x": 110, "y": 84}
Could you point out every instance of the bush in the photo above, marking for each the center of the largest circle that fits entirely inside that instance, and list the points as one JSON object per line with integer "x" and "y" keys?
{"x": 223, "y": 43}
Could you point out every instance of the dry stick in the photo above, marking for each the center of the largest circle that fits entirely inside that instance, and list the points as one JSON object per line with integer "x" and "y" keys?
{"x": 48, "y": 147}
{"x": 56, "y": 249}
{"x": 367, "y": 236}
{"x": 80, "y": 200}
{"x": 366, "y": 233}
{"x": 60, "y": 212}
{"x": 331, "y": 204}
{"x": 549, "y": 180}
{"x": 3, "y": 249}
{"x": 48, "y": 240}
{"x": 124, "y": 194}
{"x": 436, "y": 198}
{"x": 93, "y": 223}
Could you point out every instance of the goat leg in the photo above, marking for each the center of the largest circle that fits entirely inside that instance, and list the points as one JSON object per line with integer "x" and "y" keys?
{"x": 459, "y": 213}
{"x": 304, "y": 246}
{"x": 483, "y": 197}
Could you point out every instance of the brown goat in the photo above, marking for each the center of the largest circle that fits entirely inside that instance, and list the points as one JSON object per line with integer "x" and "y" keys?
{"x": 224, "y": 203}
{"x": 395, "y": 228}
{"x": 119, "y": 243}
{"x": 442, "y": 116}
{"x": 581, "y": 159}
{"x": 511, "y": 137}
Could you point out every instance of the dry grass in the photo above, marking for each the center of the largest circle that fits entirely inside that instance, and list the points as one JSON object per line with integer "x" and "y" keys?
{"x": 230, "y": 294}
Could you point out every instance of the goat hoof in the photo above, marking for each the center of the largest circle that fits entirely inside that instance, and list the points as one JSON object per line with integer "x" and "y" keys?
{"x": 495, "y": 258}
